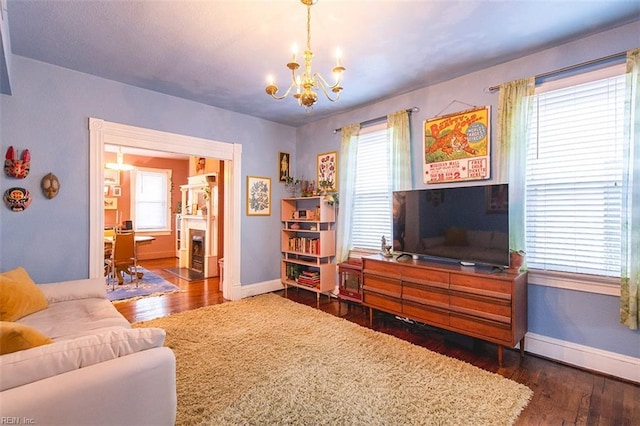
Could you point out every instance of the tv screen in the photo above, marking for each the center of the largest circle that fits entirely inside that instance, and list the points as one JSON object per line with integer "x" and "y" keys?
{"x": 468, "y": 224}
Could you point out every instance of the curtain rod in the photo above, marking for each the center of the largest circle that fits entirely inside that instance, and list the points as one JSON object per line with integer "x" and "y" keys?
{"x": 377, "y": 119}
{"x": 568, "y": 68}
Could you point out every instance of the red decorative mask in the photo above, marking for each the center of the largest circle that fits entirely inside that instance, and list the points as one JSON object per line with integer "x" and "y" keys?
{"x": 17, "y": 199}
{"x": 15, "y": 168}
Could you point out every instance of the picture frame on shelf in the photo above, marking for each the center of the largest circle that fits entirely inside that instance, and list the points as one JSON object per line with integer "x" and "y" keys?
{"x": 111, "y": 177}
{"x": 258, "y": 196}
{"x": 284, "y": 166}
{"x": 110, "y": 203}
{"x": 327, "y": 171}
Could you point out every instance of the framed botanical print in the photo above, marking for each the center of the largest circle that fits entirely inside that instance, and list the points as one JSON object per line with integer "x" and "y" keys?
{"x": 258, "y": 196}
{"x": 327, "y": 167}
{"x": 284, "y": 166}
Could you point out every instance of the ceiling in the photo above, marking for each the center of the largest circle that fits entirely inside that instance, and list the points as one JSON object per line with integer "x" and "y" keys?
{"x": 219, "y": 52}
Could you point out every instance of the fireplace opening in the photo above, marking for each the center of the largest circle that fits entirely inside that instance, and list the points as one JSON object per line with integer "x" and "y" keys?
{"x": 197, "y": 249}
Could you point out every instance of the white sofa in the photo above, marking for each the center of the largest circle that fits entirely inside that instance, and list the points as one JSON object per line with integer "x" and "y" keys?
{"x": 98, "y": 370}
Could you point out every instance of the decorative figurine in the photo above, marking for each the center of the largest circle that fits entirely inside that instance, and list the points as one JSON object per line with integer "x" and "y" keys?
{"x": 385, "y": 249}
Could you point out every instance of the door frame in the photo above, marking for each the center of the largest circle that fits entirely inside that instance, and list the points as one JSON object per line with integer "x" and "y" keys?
{"x": 103, "y": 132}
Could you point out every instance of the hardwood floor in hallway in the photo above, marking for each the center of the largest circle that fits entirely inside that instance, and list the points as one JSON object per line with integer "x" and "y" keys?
{"x": 563, "y": 395}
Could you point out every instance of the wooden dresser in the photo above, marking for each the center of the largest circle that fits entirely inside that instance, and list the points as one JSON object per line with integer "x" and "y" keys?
{"x": 474, "y": 301}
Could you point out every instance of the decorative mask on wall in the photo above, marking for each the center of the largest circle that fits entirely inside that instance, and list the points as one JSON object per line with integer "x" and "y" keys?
{"x": 50, "y": 185}
{"x": 17, "y": 199}
{"x": 15, "y": 168}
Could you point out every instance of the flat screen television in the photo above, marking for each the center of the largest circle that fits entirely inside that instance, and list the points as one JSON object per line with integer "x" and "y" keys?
{"x": 466, "y": 224}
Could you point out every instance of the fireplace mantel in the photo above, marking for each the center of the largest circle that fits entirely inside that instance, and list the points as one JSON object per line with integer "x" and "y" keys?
{"x": 192, "y": 196}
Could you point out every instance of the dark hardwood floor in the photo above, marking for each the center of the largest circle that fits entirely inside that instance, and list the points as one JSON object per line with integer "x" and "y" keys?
{"x": 563, "y": 395}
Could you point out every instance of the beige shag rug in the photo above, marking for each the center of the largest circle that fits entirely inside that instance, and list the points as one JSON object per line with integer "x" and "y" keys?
{"x": 267, "y": 360}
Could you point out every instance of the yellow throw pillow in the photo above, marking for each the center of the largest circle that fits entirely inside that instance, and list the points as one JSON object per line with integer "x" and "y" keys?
{"x": 19, "y": 295}
{"x": 16, "y": 337}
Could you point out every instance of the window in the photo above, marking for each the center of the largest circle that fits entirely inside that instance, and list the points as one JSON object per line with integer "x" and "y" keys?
{"x": 573, "y": 178}
{"x": 372, "y": 195}
{"x": 151, "y": 207}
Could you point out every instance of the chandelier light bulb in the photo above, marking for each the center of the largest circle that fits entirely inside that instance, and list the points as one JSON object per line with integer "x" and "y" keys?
{"x": 307, "y": 83}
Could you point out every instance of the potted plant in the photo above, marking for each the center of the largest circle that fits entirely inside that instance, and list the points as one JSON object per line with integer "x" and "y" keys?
{"x": 516, "y": 259}
{"x": 291, "y": 185}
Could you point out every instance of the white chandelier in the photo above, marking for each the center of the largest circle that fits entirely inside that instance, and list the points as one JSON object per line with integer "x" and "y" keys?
{"x": 307, "y": 83}
{"x": 119, "y": 164}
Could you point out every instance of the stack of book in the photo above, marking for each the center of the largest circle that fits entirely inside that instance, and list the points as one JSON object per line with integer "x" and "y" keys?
{"x": 309, "y": 278}
{"x": 304, "y": 245}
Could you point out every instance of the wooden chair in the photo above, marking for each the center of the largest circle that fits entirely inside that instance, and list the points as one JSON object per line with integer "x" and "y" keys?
{"x": 124, "y": 257}
{"x": 109, "y": 238}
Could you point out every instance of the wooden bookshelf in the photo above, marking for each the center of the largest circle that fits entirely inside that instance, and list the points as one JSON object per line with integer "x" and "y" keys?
{"x": 308, "y": 244}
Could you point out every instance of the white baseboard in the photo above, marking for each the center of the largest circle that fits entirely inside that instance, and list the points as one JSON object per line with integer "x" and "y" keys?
{"x": 260, "y": 288}
{"x": 611, "y": 363}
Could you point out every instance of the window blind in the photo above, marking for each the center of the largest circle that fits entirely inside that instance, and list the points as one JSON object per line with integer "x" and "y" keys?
{"x": 151, "y": 199}
{"x": 573, "y": 179}
{"x": 372, "y": 202}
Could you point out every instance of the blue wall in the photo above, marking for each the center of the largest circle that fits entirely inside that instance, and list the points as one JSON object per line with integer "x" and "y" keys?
{"x": 48, "y": 113}
{"x": 583, "y": 318}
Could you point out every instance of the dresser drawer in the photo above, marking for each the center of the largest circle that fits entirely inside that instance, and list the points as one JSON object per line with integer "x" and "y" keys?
{"x": 481, "y": 304}
{"x": 429, "y": 314}
{"x": 484, "y": 329}
{"x": 490, "y": 285}
{"x": 425, "y": 293}
{"x": 382, "y": 268}
{"x": 382, "y": 302}
{"x": 381, "y": 284}
{"x": 426, "y": 277}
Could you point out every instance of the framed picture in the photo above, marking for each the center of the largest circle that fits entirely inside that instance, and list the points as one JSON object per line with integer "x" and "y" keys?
{"x": 110, "y": 203}
{"x": 106, "y": 189}
{"x": 327, "y": 168}
{"x": 456, "y": 147}
{"x": 497, "y": 198}
{"x": 258, "y": 196}
{"x": 284, "y": 166}
{"x": 116, "y": 191}
{"x": 111, "y": 177}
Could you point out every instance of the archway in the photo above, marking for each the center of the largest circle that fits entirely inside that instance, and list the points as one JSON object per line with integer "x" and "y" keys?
{"x": 102, "y": 132}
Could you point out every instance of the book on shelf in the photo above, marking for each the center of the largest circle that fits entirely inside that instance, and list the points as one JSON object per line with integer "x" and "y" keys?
{"x": 309, "y": 278}
{"x": 304, "y": 245}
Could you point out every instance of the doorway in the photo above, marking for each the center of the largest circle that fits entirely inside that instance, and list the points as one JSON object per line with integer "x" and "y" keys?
{"x": 102, "y": 132}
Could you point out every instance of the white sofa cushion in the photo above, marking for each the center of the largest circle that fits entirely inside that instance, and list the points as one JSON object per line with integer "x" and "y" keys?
{"x": 74, "y": 318}
{"x": 74, "y": 290}
{"x": 30, "y": 365}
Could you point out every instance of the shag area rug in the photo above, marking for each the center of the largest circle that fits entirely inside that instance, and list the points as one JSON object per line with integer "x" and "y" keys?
{"x": 149, "y": 285}
{"x": 267, "y": 360}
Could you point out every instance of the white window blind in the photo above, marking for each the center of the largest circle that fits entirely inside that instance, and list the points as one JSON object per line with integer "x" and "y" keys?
{"x": 151, "y": 199}
{"x": 573, "y": 179}
{"x": 372, "y": 204}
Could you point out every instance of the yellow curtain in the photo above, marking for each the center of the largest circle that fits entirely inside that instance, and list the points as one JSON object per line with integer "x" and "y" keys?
{"x": 398, "y": 131}
{"x": 514, "y": 112}
{"x": 630, "y": 273}
{"x": 347, "y": 179}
